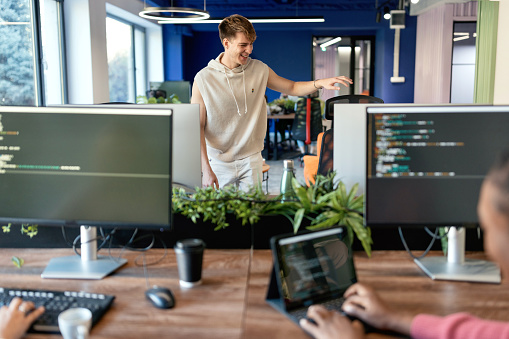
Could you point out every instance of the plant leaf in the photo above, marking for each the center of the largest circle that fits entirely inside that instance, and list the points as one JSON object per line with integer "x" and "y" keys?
{"x": 298, "y": 219}
{"x": 18, "y": 262}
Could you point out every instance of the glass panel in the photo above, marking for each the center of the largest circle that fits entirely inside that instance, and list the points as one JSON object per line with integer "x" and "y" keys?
{"x": 362, "y": 67}
{"x": 52, "y": 52}
{"x": 336, "y": 59}
{"x": 120, "y": 61}
{"x": 463, "y": 63}
{"x": 140, "y": 59}
{"x": 17, "y": 70}
{"x": 331, "y": 60}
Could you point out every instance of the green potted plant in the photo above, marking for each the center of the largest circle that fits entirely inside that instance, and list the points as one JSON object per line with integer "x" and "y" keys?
{"x": 27, "y": 229}
{"x": 322, "y": 205}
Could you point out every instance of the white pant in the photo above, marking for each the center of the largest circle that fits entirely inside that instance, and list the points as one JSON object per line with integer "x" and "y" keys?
{"x": 244, "y": 173}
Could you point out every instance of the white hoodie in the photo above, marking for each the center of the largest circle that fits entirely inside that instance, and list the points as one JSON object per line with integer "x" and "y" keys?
{"x": 236, "y": 108}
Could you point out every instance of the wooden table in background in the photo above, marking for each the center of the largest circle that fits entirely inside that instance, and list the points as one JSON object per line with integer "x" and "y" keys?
{"x": 231, "y": 301}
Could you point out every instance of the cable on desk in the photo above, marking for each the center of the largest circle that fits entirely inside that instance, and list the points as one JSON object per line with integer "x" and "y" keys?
{"x": 434, "y": 237}
{"x": 104, "y": 237}
{"x": 144, "y": 250}
{"x": 107, "y": 239}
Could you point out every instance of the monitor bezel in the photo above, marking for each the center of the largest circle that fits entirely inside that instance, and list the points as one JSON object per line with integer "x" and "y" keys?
{"x": 433, "y": 109}
{"x": 97, "y": 223}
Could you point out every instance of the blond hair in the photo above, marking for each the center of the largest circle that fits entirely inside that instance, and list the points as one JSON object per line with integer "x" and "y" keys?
{"x": 234, "y": 24}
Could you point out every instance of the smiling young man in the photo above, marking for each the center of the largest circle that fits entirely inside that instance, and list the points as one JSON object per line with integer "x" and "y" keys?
{"x": 233, "y": 111}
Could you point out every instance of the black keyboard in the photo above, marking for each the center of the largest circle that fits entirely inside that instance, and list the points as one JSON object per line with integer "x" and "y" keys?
{"x": 56, "y": 302}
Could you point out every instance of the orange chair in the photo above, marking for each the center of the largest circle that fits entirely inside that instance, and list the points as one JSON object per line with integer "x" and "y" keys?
{"x": 311, "y": 163}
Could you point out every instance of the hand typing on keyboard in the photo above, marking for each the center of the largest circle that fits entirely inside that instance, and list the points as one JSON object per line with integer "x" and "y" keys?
{"x": 16, "y": 318}
{"x": 55, "y": 302}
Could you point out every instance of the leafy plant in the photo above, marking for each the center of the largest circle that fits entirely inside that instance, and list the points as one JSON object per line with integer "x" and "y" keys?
{"x": 172, "y": 99}
{"x": 213, "y": 205}
{"x": 18, "y": 262}
{"x": 288, "y": 104}
{"x": 322, "y": 205}
{"x": 27, "y": 229}
{"x": 325, "y": 204}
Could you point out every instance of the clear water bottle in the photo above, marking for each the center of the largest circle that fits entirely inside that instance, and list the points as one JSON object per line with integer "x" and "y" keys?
{"x": 286, "y": 182}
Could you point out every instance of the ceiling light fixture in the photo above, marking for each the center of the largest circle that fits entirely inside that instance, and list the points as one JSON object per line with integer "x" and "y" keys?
{"x": 175, "y": 14}
{"x": 253, "y": 20}
{"x": 330, "y": 42}
{"x": 458, "y": 36}
{"x": 387, "y": 13}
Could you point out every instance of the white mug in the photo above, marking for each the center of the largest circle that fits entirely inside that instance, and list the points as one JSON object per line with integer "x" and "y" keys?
{"x": 75, "y": 323}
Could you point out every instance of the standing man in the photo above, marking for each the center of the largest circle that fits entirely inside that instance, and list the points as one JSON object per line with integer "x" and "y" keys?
{"x": 233, "y": 113}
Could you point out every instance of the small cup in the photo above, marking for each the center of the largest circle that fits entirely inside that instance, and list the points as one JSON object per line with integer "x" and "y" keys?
{"x": 75, "y": 323}
{"x": 189, "y": 254}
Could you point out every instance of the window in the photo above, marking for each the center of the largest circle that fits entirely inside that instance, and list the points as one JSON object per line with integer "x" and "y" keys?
{"x": 17, "y": 54}
{"x": 53, "y": 61}
{"x": 21, "y": 73}
{"x": 126, "y": 60}
{"x": 463, "y": 62}
{"x": 349, "y": 56}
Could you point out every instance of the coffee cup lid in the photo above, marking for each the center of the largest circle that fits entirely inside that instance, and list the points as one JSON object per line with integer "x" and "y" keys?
{"x": 190, "y": 243}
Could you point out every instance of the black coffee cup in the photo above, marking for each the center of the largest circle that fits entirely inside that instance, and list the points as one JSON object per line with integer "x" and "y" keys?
{"x": 189, "y": 254}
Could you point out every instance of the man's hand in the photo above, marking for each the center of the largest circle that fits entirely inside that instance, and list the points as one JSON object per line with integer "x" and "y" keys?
{"x": 330, "y": 83}
{"x": 331, "y": 325}
{"x": 17, "y": 318}
{"x": 209, "y": 178}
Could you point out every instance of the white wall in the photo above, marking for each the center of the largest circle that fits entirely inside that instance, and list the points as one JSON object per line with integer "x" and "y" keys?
{"x": 78, "y": 55}
{"x": 502, "y": 66}
{"x": 87, "y": 61}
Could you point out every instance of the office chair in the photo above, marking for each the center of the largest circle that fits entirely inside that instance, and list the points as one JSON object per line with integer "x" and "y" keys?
{"x": 348, "y": 99}
{"x": 308, "y": 120}
{"x": 326, "y": 159}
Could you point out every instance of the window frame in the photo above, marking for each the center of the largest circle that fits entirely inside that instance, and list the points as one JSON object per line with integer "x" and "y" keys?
{"x": 134, "y": 46}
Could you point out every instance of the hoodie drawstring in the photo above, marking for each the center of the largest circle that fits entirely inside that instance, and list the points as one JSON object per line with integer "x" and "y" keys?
{"x": 233, "y": 94}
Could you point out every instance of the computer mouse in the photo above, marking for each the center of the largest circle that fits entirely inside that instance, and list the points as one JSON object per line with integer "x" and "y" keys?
{"x": 160, "y": 297}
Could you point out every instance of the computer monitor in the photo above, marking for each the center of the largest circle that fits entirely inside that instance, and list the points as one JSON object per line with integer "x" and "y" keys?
{"x": 85, "y": 167}
{"x": 186, "y": 171}
{"x": 425, "y": 166}
{"x": 181, "y": 88}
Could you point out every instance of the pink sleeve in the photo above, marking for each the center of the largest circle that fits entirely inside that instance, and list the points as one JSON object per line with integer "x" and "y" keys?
{"x": 457, "y": 326}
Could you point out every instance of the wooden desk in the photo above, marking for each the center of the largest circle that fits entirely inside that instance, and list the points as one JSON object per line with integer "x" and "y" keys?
{"x": 214, "y": 309}
{"x": 231, "y": 301}
{"x": 276, "y": 118}
{"x": 398, "y": 280}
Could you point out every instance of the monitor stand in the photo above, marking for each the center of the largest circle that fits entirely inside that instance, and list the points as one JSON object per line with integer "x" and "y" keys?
{"x": 87, "y": 266}
{"x": 455, "y": 266}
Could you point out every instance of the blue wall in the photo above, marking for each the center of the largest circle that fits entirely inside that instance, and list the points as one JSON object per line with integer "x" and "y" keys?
{"x": 287, "y": 49}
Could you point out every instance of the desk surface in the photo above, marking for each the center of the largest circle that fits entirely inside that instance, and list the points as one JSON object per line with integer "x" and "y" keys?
{"x": 231, "y": 301}
{"x": 281, "y": 116}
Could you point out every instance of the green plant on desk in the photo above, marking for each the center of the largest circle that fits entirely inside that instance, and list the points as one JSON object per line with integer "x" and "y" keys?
{"x": 287, "y": 104}
{"x": 27, "y": 229}
{"x": 172, "y": 99}
{"x": 326, "y": 204}
{"x": 322, "y": 205}
{"x": 209, "y": 204}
